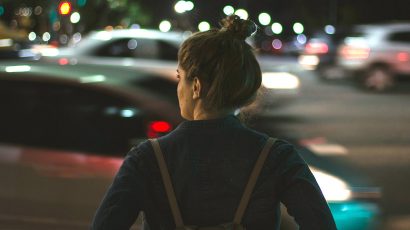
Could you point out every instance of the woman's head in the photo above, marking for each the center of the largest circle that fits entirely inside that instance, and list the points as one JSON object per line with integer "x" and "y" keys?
{"x": 223, "y": 64}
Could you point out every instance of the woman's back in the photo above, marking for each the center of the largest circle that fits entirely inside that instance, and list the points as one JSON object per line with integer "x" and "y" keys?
{"x": 209, "y": 163}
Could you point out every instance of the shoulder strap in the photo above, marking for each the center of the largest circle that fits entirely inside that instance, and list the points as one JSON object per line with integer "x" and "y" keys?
{"x": 167, "y": 183}
{"x": 252, "y": 181}
{"x": 245, "y": 197}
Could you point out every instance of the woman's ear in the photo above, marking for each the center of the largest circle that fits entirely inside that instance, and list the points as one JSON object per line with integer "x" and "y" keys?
{"x": 196, "y": 88}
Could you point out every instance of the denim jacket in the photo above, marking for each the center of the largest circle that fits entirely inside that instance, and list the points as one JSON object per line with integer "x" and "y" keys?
{"x": 209, "y": 162}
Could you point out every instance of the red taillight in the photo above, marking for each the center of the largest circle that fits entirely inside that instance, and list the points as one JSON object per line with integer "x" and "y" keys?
{"x": 403, "y": 57}
{"x": 316, "y": 48}
{"x": 352, "y": 52}
{"x": 156, "y": 128}
{"x": 63, "y": 61}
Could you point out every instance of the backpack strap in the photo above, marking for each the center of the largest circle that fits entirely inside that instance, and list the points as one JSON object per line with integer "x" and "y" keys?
{"x": 167, "y": 183}
{"x": 252, "y": 181}
{"x": 245, "y": 197}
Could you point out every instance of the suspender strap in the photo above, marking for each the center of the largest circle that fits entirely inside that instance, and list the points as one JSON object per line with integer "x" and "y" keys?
{"x": 252, "y": 181}
{"x": 167, "y": 183}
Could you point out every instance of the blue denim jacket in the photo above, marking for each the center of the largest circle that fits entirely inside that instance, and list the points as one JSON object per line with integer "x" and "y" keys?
{"x": 209, "y": 162}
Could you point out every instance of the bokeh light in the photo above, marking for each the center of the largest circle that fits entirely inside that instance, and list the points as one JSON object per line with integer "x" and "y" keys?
{"x": 277, "y": 28}
{"x": 243, "y": 14}
{"x": 264, "y": 19}
{"x": 46, "y": 36}
{"x": 329, "y": 29}
{"x": 165, "y": 26}
{"x": 301, "y": 38}
{"x": 204, "y": 26}
{"x": 75, "y": 17}
{"x": 298, "y": 28}
{"x": 277, "y": 44}
{"x": 228, "y": 10}
{"x": 32, "y": 36}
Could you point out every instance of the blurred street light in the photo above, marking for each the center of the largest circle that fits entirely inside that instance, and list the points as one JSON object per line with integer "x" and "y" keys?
{"x": 228, "y": 10}
{"x": 204, "y": 26}
{"x": 165, "y": 26}
{"x": 75, "y": 17}
{"x": 183, "y": 6}
{"x": 301, "y": 38}
{"x": 298, "y": 28}
{"x": 46, "y": 36}
{"x": 32, "y": 36}
{"x": 277, "y": 28}
{"x": 264, "y": 19}
{"x": 277, "y": 44}
{"x": 243, "y": 14}
{"x": 329, "y": 29}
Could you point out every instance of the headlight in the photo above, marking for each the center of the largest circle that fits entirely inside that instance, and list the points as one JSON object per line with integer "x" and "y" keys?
{"x": 280, "y": 80}
{"x": 309, "y": 62}
{"x": 333, "y": 188}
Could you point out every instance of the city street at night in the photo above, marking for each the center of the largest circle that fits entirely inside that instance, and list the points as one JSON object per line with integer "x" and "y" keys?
{"x": 83, "y": 83}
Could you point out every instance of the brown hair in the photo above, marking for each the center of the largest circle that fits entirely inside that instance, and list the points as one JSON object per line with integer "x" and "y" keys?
{"x": 224, "y": 63}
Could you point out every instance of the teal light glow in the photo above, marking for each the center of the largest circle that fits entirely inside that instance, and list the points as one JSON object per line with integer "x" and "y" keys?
{"x": 354, "y": 215}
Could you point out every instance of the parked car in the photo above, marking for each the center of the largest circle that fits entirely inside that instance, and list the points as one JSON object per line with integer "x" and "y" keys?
{"x": 376, "y": 54}
{"x": 65, "y": 130}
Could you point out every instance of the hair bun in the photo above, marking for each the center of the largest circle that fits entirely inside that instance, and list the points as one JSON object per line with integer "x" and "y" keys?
{"x": 240, "y": 28}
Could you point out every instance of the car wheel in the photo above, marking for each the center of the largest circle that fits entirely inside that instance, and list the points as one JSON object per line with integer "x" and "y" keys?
{"x": 378, "y": 79}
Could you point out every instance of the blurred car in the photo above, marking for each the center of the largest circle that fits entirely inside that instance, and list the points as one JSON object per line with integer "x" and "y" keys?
{"x": 156, "y": 52}
{"x": 143, "y": 49}
{"x": 53, "y": 103}
{"x": 376, "y": 54}
{"x": 16, "y": 49}
{"x": 66, "y": 128}
{"x": 320, "y": 54}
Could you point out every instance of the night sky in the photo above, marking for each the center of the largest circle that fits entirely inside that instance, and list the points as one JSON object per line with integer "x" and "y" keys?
{"x": 313, "y": 13}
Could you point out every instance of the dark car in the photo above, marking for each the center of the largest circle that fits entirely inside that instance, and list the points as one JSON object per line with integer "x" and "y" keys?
{"x": 69, "y": 107}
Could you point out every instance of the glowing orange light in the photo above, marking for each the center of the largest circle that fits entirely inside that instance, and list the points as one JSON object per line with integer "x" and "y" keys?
{"x": 64, "y": 8}
{"x": 350, "y": 52}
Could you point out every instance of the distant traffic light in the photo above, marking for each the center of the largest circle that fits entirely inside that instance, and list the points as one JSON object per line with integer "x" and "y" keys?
{"x": 64, "y": 8}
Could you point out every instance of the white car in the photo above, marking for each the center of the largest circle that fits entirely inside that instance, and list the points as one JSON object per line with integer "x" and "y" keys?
{"x": 377, "y": 53}
{"x": 156, "y": 52}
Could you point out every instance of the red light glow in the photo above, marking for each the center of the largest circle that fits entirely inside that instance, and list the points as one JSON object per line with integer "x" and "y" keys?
{"x": 160, "y": 126}
{"x": 157, "y": 127}
{"x": 63, "y": 61}
{"x": 316, "y": 48}
{"x": 403, "y": 57}
{"x": 350, "y": 52}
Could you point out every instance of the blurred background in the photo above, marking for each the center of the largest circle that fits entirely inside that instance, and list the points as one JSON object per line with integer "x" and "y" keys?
{"x": 82, "y": 81}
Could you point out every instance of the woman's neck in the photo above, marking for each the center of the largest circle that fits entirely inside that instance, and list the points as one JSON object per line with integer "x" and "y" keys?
{"x": 207, "y": 115}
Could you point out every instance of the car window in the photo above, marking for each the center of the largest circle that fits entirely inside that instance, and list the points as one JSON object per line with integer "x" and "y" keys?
{"x": 403, "y": 37}
{"x": 164, "y": 88}
{"x": 67, "y": 117}
{"x": 130, "y": 47}
{"x": 168, "y": 51}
